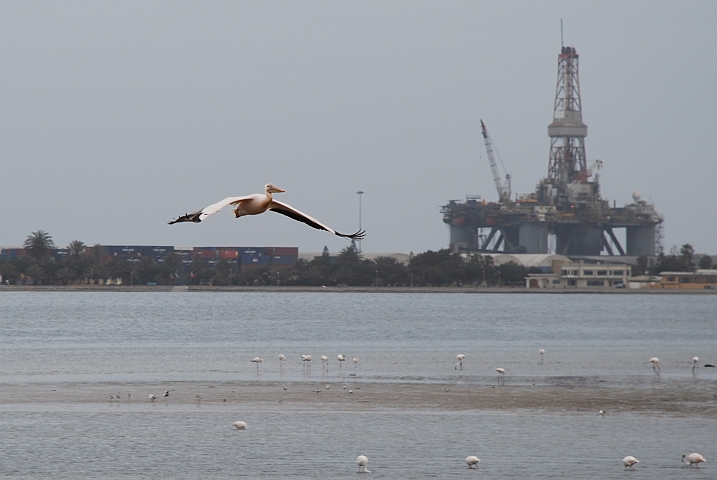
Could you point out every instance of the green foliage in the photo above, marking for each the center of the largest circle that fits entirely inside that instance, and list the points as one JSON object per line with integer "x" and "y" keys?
{"x": 39, "y": 245}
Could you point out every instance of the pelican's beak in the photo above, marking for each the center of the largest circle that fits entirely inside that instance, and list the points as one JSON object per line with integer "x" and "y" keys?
{"x": 274, "y": 189}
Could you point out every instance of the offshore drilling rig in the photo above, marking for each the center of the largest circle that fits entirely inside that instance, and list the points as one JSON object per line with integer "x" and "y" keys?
{"x": 566, "y": 205}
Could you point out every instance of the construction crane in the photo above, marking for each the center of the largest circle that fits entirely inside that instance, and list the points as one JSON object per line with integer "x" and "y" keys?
{"x": 503, "y": 190}
{"x": 582, "y": 177}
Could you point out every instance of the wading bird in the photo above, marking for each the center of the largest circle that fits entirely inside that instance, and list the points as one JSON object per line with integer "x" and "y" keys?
{"x": 472, "y": 460}
{"x": 324, "y": 363}
{"x": 355, "y": 365}
{"x": 695, "y": 458}
{"x": 501, "y": 375}
{"x": 629, "y": 461}
{"x": 239, "y": 425}
{"x": 259, "y": 203}
{"x": 541, "y": 352}
{"x": 152, "y": 397}
{"x": 362, "y": 461}
{"x": 281, "y": 362}
{"x": 459, "y": 365}
{"x": 342, "y": 359}
{"x": 257, "y": 360}
{"x": 655, "y": 365}
{"x": 694, "y": 364}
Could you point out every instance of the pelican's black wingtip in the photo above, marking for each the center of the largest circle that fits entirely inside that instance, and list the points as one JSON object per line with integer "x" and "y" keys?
{"x": 355, "y": 236}
{"x": 188, "y": 217}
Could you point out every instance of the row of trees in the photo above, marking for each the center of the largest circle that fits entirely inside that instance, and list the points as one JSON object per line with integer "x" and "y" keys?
{"x": 90, "y": 264}
{"x": 442, "y": 268}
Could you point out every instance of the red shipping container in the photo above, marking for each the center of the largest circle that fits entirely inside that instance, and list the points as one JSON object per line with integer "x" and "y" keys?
{"x": 228, "y": 253}
{"x": 286, "y": 252}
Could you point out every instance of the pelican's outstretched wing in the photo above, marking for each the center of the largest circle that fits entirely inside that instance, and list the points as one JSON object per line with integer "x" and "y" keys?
{"x": 291, "y": 212}
{"x": 200, "y": 215}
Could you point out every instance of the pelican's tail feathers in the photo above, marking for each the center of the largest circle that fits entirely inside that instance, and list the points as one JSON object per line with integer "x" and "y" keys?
{"x": 189, "y": 217}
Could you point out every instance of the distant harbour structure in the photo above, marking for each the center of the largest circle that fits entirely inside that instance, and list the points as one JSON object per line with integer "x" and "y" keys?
{"x": 565, "y": 214}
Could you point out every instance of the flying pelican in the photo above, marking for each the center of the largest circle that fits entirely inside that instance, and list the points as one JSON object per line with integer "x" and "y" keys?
{"x": 629, "y": 461}
{"x": 655, "y": 365}
{"x": 501, "y": 374}
{"x": 460, "y": 358}
{"x": 472, "y": 460}
{"x": 355, "y": 365}
{"x": 281, "y": 361}
{"x": 239, "y": 425}
{"x": 695, "y": 458}
{"x": 362, "y": 461}
{"x": 152, "y": 397}
{"x": 257, "y": 360}
{"x": 694, "y": 364}
{"x": 324, "y": 364}
{"x": 258, "y": 203}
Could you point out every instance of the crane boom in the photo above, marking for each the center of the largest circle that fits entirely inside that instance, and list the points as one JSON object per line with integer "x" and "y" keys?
{"x": 503, "y": 190}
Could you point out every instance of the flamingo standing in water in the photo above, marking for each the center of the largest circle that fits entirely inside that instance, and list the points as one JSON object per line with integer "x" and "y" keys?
{"x": 362, "y": 461}
{"x": 342, "y": 359}
{"x": 459, "y": 365}
{"x": 655, "y": 365}
{"x": 629, "y": 461}
{"x": 695, "y": 458}
{"x": 324, "y": 363}
{"x": 355, "y": 365}
{"x": 281, "y": 362}
{"x": 541, "y": 352}
{"x": 472, "y": 460}
{"x": 501, "y": 375}
{"x": 257, "y": 360}
{"x": 694, "y": 364}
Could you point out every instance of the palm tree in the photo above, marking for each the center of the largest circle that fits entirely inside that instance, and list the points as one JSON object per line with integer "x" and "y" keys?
{"x": 39, "y": 245}
{"x": 76, "y": 247}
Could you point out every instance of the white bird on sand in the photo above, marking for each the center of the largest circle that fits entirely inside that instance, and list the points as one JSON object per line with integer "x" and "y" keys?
{"x": 260, "y": 203}
{"x": 166, "y": 394}
{"x": 460, "y": 358}
{"x": 629, "y": 461}
{"x": 362, "y": 461}
{"x": 695, "y": 458}
{"x": 239, "y": 425}
{"x": 152, "y": 397}
{"x": 501, "y": 374}
{"x": 257, "y": 360}
{"x": 694, "y": 363}
{"x": 603, "y": 413}
{"x": 655, "y": 365}
{"x": 472, "y": 460}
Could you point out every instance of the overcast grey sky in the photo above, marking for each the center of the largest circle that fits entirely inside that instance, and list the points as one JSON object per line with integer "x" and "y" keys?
{"x": 116, "y": 117}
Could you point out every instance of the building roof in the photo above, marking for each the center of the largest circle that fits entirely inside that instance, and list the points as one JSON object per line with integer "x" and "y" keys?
{"x": 529, "y": 259}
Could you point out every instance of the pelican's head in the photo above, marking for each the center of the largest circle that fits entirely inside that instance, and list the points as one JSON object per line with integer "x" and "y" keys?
{"x": 270, "y": 188}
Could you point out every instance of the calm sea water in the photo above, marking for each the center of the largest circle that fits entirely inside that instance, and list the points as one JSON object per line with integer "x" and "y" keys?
{"x": 135, "y": 337}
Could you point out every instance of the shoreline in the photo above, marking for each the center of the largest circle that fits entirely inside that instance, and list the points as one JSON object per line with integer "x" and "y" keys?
{"x": 336, "y": 289}
{"x": 671, "y": 399}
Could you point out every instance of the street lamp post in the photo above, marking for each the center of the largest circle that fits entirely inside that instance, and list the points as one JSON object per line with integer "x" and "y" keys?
{"x": 360, "y": 194}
